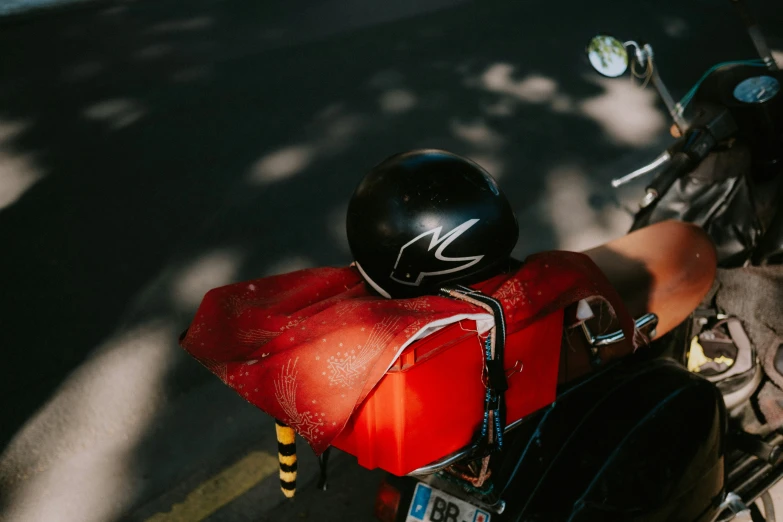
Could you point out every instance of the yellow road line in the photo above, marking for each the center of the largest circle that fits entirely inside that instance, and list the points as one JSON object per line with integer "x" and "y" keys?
{"x": 221, "y": 489}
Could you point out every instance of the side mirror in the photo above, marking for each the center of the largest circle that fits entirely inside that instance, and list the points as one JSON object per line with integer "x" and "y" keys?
{"x": 608, "y": 56}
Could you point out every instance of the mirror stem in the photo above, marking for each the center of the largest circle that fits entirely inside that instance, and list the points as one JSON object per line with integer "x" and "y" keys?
{"x": 755, "y": 34}
{"x": 667, "y": 99}
{"x": 645, "y": 57}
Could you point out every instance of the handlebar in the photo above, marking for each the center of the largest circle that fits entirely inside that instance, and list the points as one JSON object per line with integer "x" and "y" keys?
{"x": 661, "y": 160}
{"x": 679, "y": 165}
{"x": 690, "y": 150}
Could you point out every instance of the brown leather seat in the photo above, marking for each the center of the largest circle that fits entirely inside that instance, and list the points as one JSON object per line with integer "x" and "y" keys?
{"x": 665, "y": 269}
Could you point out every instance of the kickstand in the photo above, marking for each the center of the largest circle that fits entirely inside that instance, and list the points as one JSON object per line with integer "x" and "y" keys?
{"x": 323, "y": 459}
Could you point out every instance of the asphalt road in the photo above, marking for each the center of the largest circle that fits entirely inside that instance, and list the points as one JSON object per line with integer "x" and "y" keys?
{"x": 150, "y": 151}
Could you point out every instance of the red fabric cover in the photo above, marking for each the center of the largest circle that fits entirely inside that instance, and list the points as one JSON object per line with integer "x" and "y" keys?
{"x": 308, "y": 346}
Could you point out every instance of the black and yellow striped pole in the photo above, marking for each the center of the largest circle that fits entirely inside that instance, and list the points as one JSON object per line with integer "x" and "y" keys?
{"x": 286, "y": 454}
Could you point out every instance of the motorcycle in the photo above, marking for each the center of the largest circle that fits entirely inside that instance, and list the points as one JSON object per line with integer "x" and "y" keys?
{"x": 662, "y": 433}
{"x": 460, "y": 392}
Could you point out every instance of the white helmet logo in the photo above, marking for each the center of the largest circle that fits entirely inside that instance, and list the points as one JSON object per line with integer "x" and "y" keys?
{"x": 436, "y": 241}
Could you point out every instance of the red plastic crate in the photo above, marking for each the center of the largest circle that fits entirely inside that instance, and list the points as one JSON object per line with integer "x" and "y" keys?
{"x": 431, "y": 402}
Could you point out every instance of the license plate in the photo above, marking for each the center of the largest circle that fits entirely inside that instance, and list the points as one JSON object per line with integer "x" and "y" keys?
{"x": 432, "y": 505}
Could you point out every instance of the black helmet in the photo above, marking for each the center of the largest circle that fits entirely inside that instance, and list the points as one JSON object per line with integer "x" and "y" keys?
{"x": 425, "y": 218}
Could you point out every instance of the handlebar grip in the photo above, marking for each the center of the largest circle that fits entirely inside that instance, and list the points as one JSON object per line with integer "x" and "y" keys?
{"x": 679, "y": 166}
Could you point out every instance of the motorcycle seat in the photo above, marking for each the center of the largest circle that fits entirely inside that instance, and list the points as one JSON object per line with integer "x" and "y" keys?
{"x": 666, "y": 269}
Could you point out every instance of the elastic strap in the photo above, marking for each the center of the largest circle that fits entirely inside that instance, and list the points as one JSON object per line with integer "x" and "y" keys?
{"x": 494, "y": 421}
